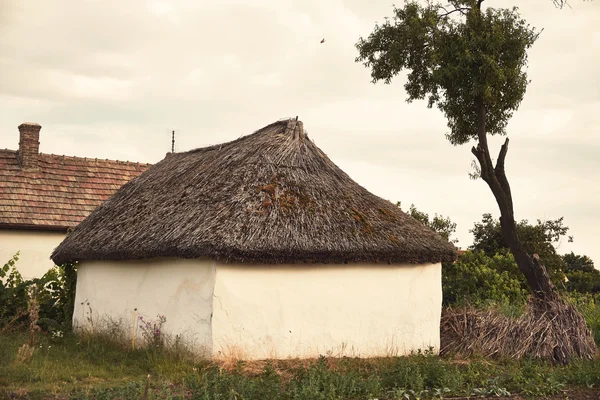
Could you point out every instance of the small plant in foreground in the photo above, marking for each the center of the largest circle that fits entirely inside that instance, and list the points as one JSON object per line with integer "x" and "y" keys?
{"x": 492, "y": 389}
{"x": 34, "y": 308}
{"x": 152, "y": 331}
{"x": 25, "y": 353}
{"x": 57, "y": 335}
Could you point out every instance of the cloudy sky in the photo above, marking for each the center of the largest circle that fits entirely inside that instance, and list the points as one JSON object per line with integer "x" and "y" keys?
{"x": 111, "y": 79}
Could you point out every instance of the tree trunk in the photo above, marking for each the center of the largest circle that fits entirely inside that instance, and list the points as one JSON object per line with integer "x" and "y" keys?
{"x": 567, "y": 334}
{"x": 495, "y": 176}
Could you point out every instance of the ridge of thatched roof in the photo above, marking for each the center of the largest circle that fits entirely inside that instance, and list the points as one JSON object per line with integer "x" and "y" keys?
{"x": 269, "y": 197}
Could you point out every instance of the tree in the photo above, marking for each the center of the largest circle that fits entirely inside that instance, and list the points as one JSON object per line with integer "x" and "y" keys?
{"x": 581, "y": 275}
{"x": 575, "y": 273}
{"x": 471, "y": 63}
{"x": 574, "y": 262}
{"x": 539, "y": 238}
{"x": 443, "y": 226}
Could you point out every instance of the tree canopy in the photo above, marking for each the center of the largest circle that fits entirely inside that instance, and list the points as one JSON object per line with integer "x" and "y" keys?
{"x": 441, "y": 225}
{"x": 540, "y": 238}
{"x": 581, "y": 274}
{"x": 487, "y": 273}
{"x": 571, "y": 272}
{"x": 457, "y": 59}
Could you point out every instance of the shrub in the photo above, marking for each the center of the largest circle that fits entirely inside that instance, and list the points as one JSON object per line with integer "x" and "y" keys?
{"x": 480, "y": 280}
{"x": 589, "y": 306}
{"x": 55, "y": 292}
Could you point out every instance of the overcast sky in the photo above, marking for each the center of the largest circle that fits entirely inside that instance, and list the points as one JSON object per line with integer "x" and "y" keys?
{"x": 111, "y": 79}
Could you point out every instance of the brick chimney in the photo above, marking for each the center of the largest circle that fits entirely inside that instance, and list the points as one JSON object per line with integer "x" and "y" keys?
{"x": 29, "y": 145}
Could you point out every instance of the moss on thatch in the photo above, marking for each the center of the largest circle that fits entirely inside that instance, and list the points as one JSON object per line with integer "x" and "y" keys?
{"x": 269, "y": 197}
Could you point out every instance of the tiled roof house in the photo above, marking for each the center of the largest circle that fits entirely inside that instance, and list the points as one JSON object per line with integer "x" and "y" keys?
{"x": 43, "y": 195}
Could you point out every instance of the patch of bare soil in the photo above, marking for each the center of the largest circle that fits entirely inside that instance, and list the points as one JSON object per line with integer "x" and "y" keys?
{"x": 571, "y": 394}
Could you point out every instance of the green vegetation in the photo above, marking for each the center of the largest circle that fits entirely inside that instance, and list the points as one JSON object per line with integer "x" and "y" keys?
{"x": 443, "y": 226}
{"x": 55, "y": 294}
{"x": 589, "y": 306}
{"x": 581, "y": 274}
{"x": 480, "y": 280}
{"x": 487, "y": 274}
{"x": 38, "y": 363}
{"x": 540, "y": 238}
{"x": 98, "y": 367}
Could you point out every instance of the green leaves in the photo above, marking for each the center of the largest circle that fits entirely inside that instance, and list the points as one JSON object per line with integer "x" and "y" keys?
{"x": 480, "y": 280}
{"x": 9, "y": 266}
{"x": 441, "y": 225}
{"x": 539, "y": 238}
{"x": 454, "y": 57}
{"x": 55, "y": 291}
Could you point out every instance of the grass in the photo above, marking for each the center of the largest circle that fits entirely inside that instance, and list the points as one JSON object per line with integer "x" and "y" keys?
{"x": 103, "y": 366}
{"x": 79, "y": 362}
{"x": 589, "y": 306}
{"x": 100, "y": 367}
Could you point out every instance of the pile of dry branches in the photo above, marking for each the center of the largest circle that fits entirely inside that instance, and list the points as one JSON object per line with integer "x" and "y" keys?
{"x": 548, "y": 330}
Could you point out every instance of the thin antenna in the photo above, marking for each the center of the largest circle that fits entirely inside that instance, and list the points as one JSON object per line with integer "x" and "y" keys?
{"x": 173, "y": 142}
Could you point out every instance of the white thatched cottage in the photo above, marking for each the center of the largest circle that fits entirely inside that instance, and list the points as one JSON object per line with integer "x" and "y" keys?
{"x": 261, "y": 248}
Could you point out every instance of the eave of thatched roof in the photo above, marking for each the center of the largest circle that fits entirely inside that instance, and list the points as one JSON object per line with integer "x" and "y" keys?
{"x": 269, "y": 197}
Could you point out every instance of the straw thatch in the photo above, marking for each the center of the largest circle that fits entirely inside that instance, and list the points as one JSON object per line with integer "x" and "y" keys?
{"x": 269, "y": 197}
{"x": 551, "y": 330}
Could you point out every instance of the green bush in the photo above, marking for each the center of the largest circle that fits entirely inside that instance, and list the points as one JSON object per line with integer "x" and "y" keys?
{"x": 55, "y": 296}
{"x": 589, "y": 306}
{"x": 480, "y": 280}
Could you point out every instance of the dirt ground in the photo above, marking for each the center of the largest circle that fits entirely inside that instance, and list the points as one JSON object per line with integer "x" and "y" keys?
{"x": 575, "y": 394}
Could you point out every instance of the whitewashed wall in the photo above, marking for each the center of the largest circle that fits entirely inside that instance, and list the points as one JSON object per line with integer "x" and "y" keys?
{"x": 305, "y": 311}
{"x": 35, "y": 247}
{"x": 181, "y": 290}
{"x": 256, "y": 311}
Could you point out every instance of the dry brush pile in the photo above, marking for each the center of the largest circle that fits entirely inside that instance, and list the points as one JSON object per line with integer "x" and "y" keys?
{"x": 548, "y": 330}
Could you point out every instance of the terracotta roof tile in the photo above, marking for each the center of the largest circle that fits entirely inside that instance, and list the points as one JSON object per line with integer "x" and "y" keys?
{"x": 62, "y": 192}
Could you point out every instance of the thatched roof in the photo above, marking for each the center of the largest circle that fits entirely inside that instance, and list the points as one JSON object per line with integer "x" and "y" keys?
{"x": 269, "y": 197}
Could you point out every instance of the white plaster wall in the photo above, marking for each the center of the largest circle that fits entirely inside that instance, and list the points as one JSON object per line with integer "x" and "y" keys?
{"x": 181, "y": 290}
{"x": 306, "y": 311}
{"x": 35, "y": 247}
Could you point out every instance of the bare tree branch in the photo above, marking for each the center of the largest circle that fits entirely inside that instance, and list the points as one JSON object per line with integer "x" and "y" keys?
{"x": 478, "y": 152}
{"x": 501, "y": 174}
{"x": 502, "y": 156}
{"x": 447, "y": 13}
{"x": 561, "y": 3}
